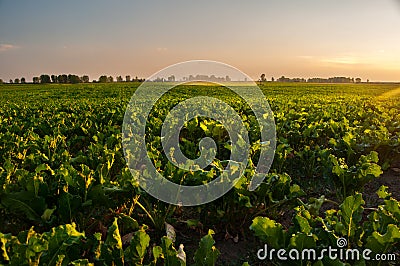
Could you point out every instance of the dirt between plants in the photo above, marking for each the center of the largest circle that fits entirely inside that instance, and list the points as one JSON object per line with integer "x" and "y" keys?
{"x": 389, "y": 178}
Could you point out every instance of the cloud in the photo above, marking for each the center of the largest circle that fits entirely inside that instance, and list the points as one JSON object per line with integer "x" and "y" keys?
{"x": 161, "y": 49}
{"x": 336, "y": 60}
{"x": 5, "y": 47}
{"x": 345, "y": 60}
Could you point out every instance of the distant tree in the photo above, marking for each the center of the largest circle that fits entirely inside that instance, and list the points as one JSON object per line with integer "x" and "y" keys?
{"x": 171, "y": 78}
{"x": 297, "y": 80}
{"x": 54, "y": 79}
{"x": 74, "y": 79}
{"x": 127, "y": 78}
{"x": 103, "y": 79}
{"x": 282, "y": 79}
{"x": 358, "y": 80}
{"x": 62, "y": 78}
{"x": 11, "y": 81}
{"x": 119, "y": 79}
{"x": 272, "y": 79}
{"x": 367, "y": 80}
{"x": 35, "y": 80}
{"x": 262, "y": 78}
{"x": 23, "y": 81}
{"x": 44, "y": 78}
{"x": 16, "y": 80}
{"x": 85, "y": 79}
{"x": 1, "y": 81}
{"x": 158, "y": 79}
{"x": 110, "y": 79}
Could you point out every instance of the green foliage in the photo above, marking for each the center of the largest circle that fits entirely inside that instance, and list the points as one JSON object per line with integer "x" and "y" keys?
{"x": 136, "y": 251}
{"x": 351, "y": 179}
{"x": 64, "y": 245}
{"x": 170, "y": 253}
{"x": 351, "y": 211}
{"x": 207, "y": 253}
{"x": 112, "y": 251}
{"x": 59, "y": 246}
{"x": 269, "y": 231}
{"x": 60, "y": 242}
{"x": 63, "y": 171}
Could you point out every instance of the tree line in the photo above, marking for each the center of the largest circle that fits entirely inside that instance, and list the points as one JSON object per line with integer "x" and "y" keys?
{"x": 313, "y": 80}
{"x": 72, "y": 79}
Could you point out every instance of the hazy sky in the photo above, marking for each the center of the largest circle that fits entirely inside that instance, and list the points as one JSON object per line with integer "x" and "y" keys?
{"x": 295, "y": 38}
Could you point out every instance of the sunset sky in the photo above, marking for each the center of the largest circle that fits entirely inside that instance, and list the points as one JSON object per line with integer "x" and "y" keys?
{"x": 307, "y": 38}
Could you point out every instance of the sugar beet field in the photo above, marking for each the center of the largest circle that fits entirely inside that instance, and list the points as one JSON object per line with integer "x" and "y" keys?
{"x": 67, "y": 196}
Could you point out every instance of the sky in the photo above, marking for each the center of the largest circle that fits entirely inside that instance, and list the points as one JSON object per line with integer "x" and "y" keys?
{"x": 307, "y": 38}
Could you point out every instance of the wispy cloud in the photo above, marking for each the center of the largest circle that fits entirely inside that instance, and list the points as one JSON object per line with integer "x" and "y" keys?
{"x": 5, "y": 47}
{"x": 374, "y": 59}
{"x": 337, "y": 60}
{"x": 161, "y": 49}
{"x": 345, "y": 60}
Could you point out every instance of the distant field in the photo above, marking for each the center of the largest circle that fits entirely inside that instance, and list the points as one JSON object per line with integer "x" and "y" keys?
{"x": 62, "y": 166}
{"x": 126, "y": 89}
